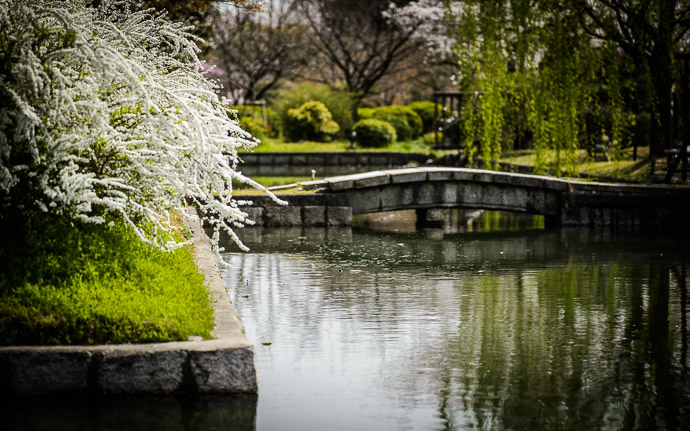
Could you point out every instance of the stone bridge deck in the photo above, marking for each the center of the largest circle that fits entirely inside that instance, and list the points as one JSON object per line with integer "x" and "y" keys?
{"x": 562, "y": 201}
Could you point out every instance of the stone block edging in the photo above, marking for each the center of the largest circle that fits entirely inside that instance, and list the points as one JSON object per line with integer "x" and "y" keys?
{"x": 224, "y": 364}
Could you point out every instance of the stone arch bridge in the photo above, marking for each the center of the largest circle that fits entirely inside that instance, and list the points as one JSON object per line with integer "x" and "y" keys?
{"x": 563, "y": 202}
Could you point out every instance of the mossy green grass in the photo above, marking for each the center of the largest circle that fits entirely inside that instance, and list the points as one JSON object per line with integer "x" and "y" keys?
{"x": 77, "y": 283}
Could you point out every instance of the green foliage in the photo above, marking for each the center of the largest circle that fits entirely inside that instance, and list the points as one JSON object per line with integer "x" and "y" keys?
{"x": 68, "y": 283}
{"x": 254, "y": 126}
{"x": 407, "y": 124}
{"x": 426, "y": 111}
{"x": 540, "y": 85}
{"x": 253, "y": 111}
{"x": 429, "y": 139}
{"x": 311, "y": 121}
{"x": 374, "y": 133}
{"x": 363, "y": 113}
{"x": 340, "y": 103}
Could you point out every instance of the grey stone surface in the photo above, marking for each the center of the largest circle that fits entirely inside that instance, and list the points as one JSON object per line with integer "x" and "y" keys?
{"x": 407, "y": 195}
{"x": 316, "y": 160}
{"x": 450, "y": 193}
{"x": 408, "y": 176}
{"x": 440, "y": 175}
{"x": 256, "y": 214}
{"x": 228, "y": 370}
{"x": 299, "y": 159}
{"x": 314, "y": 185}
{"x": 390, "y": 198}
{"x": 132, "y": 372}
{"x": 314, "y": 215}
{"x": 43, "y": 370}
{"x": 340, "y": 183}
{"x": 372, "y": 179}
{"x": 463, "y": 175}
{"x": 426, "y": 194}
{"x": 277, "y": 216}
{"x": 380, "y": 161}
{"x": 280, "y": 159}
{"x": 365, "y": 200}
{"x": 339, "y": 216}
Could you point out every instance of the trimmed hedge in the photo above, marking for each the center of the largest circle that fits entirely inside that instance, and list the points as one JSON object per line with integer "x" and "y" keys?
{"x": 364, "y": 113}
{"x": 407, "y": 124}
{"x": 425, "y": 109}
{"x": 311, "y": 121}
{"x": 374, "y": 133}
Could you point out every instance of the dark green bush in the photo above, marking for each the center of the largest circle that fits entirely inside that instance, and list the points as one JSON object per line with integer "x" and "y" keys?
{"x": 253, "y": 111}
{"x": 254, "y": 126}
{"x": 340, "y": 103}
{"x": 373, "y": 133}
{"x": 407, "y": 124}
{"x": 311, "y": 121}
{"x": 425, "y": 109}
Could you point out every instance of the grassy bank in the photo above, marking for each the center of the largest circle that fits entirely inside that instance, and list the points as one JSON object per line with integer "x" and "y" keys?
{"x": 625, "y": 169}
{"x": 87, "y": 284}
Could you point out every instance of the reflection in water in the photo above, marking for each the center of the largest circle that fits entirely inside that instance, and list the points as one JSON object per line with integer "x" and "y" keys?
{"x": 569, "y": 329}
{"x": 117, "y": 413}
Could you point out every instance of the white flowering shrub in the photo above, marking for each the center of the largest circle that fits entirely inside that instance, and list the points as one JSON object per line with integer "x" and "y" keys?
{"x": 106, "y": 115}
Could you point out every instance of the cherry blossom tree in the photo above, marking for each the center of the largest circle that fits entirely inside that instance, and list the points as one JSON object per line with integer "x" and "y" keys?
{"x": 106, "y": 116}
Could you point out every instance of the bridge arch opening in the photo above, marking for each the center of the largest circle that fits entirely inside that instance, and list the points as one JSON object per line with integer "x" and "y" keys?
{"x": 449, "y": 220}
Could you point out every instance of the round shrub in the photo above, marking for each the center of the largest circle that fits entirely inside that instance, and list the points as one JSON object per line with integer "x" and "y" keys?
{"x": 253, "y": 126}
{"x": 256, "y": 112}
{"x": 311, "y": 121}
{"x": 407, "y": 124}
{"x": 374, "y": 133}
{"x": 339, "y": 102}
{"x": 426, "y": 111}
{"x": 364, "y": 113}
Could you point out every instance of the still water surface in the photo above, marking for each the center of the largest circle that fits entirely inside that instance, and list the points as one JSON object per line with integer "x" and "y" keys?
{"x": 496, "y": 326}
{"x": 507, "y": 329}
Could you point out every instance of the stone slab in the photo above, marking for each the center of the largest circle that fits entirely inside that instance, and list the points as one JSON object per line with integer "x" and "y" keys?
{"x": 277, "y": 216}
{"x": 408, "y": 176}
{"x": 140, "y": 372}
{"x": 372, "y": 179}
{"x": 339, "y": 216}
{"x": 255, "y": 214}
{"x": 314, "y": 185}
{"x": 440, "y": 175}
{"x": 313, "y": 215}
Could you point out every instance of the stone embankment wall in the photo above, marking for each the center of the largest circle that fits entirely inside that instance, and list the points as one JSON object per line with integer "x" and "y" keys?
{"x": 364, "y": 159}
{"x": 307, "y": 209}
{"x": 325, "y": 164}
{"x": 224, "y": 364}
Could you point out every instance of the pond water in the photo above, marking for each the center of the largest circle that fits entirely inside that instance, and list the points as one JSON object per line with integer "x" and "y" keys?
{"x": 491, "y": 323}
{"x": 497, "y": 328}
